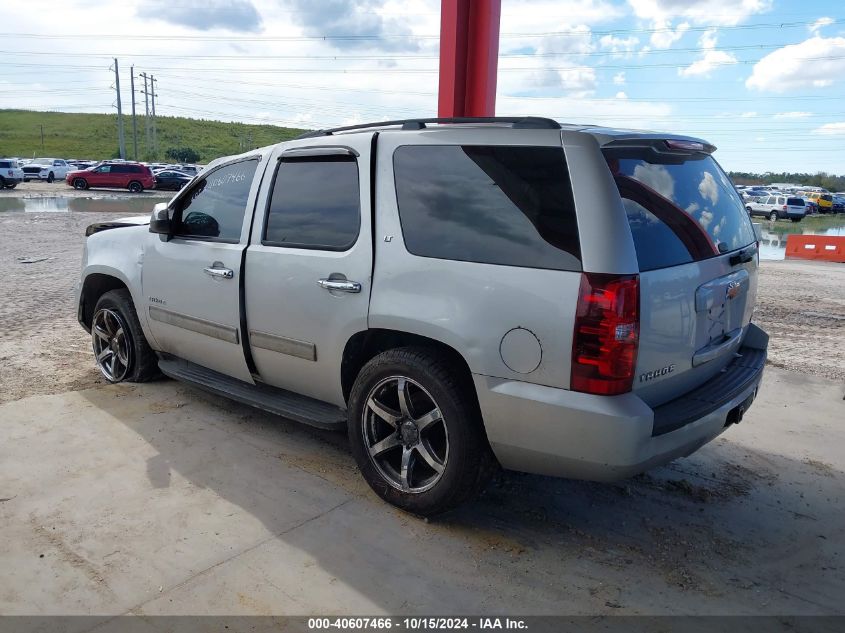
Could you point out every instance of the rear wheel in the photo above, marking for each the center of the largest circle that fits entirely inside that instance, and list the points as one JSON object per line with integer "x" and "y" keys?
{"x": 416, "y": 432}
{"x": 773, "y": 216}
{"x": 120, "y": 349}
{"x": 136, "y": 187}
{"x": 795, "y": 219}
{"x": 12, "y": 186}
{"x": 80, "y": 183}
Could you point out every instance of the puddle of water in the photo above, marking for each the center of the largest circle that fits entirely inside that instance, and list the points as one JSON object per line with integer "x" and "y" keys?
{"x": 774, "y": 234}
{"x": 104, "y": 204}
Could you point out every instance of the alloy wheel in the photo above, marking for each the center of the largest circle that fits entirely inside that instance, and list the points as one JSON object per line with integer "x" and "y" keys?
{"x": 111, "y": 343}
{"x": 405, "y": 434}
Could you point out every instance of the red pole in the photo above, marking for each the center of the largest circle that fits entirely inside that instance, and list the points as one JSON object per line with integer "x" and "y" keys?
{"x": 469, "y": 56}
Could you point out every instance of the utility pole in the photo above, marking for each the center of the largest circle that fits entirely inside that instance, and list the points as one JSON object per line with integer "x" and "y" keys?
{"x": 42, "y": 139}
{"x": 153, "y": 81}
{"x": 120, "y": 139}
{"x": 147, "y": 115}
{"x": 134, "y": 122}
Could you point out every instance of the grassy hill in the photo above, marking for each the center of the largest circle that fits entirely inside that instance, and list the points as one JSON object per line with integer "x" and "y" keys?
{"x": 79, "y": 135}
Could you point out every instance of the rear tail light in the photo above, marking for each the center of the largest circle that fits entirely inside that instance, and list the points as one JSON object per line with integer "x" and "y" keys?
{"x": 606, "y": 337}
{"x": 784, "y": 207}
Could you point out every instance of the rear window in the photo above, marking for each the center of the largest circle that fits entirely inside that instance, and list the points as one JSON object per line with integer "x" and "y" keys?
{"x": 490, "y": 204}
{"x": 4, "y": 164}
{"x": 680, "y": 209}
{"x": 795, "y": 202}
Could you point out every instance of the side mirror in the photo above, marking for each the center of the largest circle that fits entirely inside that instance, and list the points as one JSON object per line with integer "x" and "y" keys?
{"x": 160, "y": 222}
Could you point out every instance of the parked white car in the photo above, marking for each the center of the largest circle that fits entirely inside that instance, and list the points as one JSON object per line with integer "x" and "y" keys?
{"x": 778, "y": 206}
{"x": 48, "y": 169}
{"x": 10, "y": 173}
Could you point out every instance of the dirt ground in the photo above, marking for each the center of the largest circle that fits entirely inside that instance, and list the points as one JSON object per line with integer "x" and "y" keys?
{"x": 201, "y": 505}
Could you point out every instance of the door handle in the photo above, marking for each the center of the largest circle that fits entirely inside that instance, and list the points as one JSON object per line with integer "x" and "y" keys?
{"x": 342, "y": 285}
{"x": 222, "y": 273}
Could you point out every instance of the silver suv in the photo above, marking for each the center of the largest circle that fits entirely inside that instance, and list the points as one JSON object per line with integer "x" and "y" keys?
{"x": 458, "y": 294}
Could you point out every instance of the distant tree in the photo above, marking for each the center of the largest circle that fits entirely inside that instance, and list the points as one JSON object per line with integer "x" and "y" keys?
{"x": 182, "y": 155}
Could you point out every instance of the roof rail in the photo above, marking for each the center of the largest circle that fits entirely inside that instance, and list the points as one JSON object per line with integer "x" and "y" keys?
{"x": 526, "y": 122}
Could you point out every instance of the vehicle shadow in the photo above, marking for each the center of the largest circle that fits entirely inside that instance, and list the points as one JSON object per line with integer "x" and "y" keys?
{"x": 728, "y": 530}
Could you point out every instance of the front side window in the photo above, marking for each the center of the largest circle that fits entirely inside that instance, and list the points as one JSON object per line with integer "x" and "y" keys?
{"x": 508, "y": 205}
{"x": 103, "y": 169}
{"x": 315, "y": 204}
{"x": 215, "y": 207}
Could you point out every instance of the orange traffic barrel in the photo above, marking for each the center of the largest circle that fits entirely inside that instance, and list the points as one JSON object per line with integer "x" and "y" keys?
{"x": 829, "y": 248}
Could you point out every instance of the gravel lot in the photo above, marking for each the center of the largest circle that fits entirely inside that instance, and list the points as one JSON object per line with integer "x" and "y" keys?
{"x": 746, "y": 525}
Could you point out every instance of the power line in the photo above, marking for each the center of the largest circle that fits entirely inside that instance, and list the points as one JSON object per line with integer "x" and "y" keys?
{"x": 405, "y": 36}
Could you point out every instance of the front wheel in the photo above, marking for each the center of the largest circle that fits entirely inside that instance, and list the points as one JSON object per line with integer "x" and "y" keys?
{"x": 120, "y": 349}
{"x": 79, "y": 183}
{"x": 12, "y": 186}
{"x": 136, "y": 187}
{"x": 773, "y": 216}
{"x": 51, "y": 177}
{"x": 416, "y": 431}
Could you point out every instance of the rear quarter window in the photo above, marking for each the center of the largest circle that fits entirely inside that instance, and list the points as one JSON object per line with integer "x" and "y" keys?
{"x": 680, "y": 209}
{"x": 503, "y": 205}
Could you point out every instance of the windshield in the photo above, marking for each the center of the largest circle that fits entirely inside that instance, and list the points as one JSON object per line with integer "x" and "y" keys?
{"x": 682, "y": 210}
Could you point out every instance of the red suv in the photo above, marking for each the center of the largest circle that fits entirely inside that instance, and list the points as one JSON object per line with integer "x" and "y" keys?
{"x": 132, "y": 176}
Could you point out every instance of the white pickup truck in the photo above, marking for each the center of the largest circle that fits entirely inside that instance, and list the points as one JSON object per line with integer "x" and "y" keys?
{"x": 48, "y": 169}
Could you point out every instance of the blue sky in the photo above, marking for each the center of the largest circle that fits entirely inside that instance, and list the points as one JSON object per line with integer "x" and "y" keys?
{"x": 764, "y": 80}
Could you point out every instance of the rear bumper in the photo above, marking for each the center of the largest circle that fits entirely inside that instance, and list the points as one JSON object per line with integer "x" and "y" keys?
{"x": 563, "y": 433}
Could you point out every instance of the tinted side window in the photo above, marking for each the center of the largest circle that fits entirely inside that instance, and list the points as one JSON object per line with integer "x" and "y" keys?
{"x": 491, "y": 204}
{"x": 5, "y": 164}
{"x": 215, "y": 206}
{"x": 119, "y": 169}
{"x": 315, "y": 204}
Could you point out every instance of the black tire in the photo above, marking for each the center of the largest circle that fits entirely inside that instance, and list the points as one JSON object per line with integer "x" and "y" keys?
{"x": 80, "y": 183}
{"x": 143, "y": 363}
{"x": 773, "y": 216}
{"x": 50, "y": 177}
{"x": 2, "y": 182}
{"x": 135, "y": 187}
{"x": 469, "y": 461}
{"x": 12, "y": 186}
{"x": 795, "y": 219}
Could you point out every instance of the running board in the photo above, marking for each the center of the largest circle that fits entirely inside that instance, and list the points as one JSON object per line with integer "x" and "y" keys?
{"x": 272, "y": 399}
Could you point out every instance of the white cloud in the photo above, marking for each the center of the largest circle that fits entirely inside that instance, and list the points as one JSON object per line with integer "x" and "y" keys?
{"x": 820, "y": 23}
{"x": 710, "y": 59}
{"x": 661, "y": 14}
{"x": 657, "y": 177}
{"x": 830, "y": 129}
{"x": 714, "y": 12}
{"x": 814, "y": 63}
{"x": 748, "y": 115}
{"x": 665, "y": 36}
{"x": 621, "y": 95}
{"x": 619, "y": 44}
{"x": 708, "y": 188}
{"x": 610, "y": 112}
{"x": 619, "y": 78}
{"x": 792, "y": 115}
